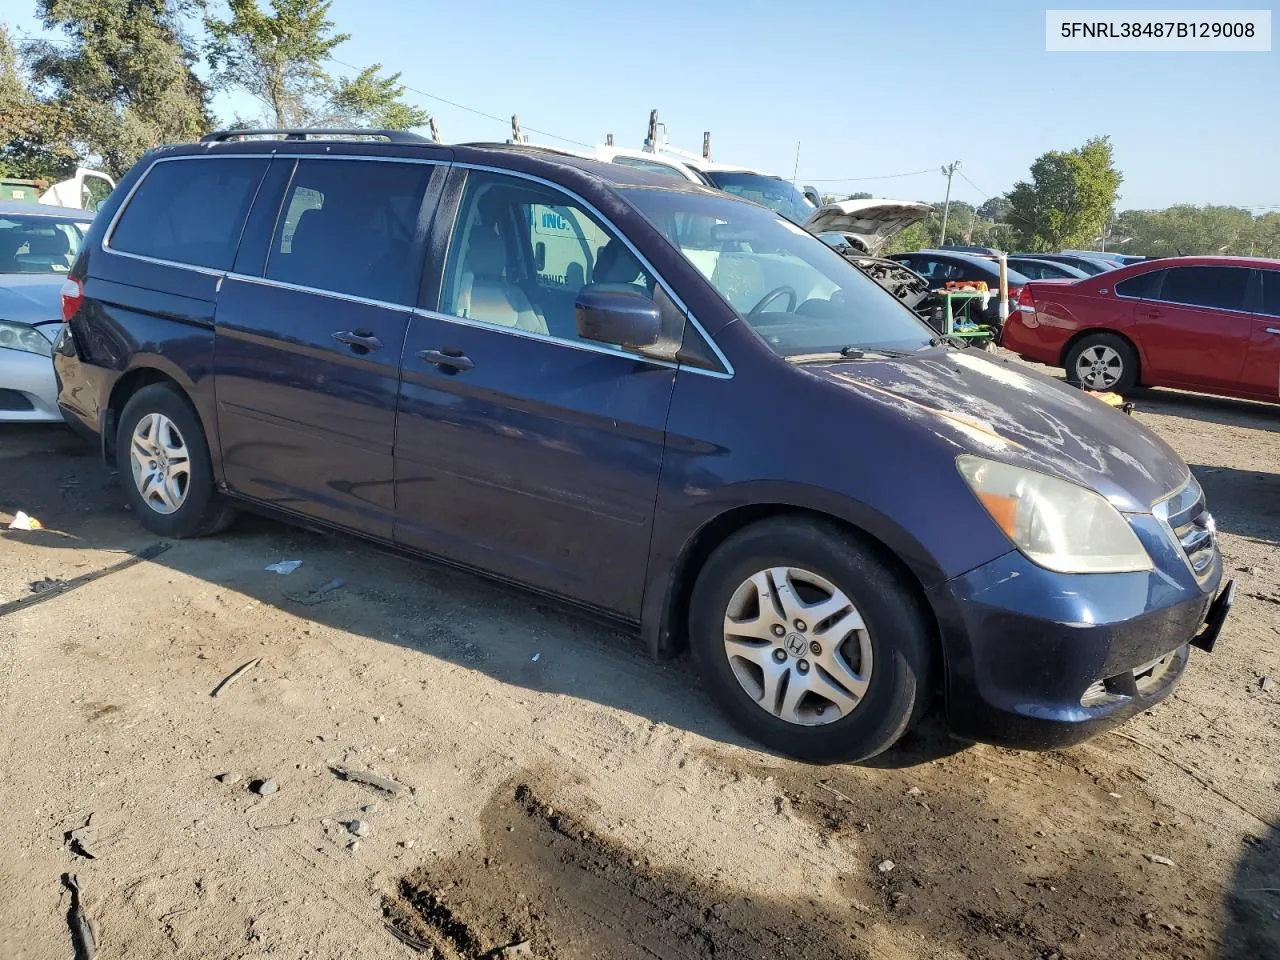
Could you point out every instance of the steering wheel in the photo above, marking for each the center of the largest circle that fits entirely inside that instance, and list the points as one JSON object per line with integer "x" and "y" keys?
{"x": 771, "y": 296}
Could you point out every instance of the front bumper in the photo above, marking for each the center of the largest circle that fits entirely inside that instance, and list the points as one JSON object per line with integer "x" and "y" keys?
{"x": 28, "y": 391}
{"x": 1040, "y": 660}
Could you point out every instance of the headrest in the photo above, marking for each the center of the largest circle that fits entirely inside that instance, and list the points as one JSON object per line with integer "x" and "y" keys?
{"x": 486, "y": 256}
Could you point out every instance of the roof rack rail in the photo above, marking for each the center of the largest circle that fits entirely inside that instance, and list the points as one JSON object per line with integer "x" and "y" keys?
{"x": 318, "y": 133}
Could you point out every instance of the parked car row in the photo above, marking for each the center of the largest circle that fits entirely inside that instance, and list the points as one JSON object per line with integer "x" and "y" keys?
{"x": 657, "y": 401}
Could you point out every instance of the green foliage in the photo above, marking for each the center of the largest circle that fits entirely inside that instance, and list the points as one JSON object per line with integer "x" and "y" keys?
{"x": 996, "y": 209}
{"x": 1189, "y": 230}
{"x": 34, "y": 142}
{"x": 1068, "y": 201}
{"x": 122, "y": 81}
{"x": 277, "y": 57}
{"x": 375, "y": 101}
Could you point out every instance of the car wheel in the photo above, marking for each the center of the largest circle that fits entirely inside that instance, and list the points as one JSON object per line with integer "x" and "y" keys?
{"x": 811, "y": 644}
{"x": 1102, "y": 361}
{"x": 164, "y": 460}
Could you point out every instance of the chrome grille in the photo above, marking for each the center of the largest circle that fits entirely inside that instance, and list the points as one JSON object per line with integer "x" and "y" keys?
{"x": 1192, "y": 526}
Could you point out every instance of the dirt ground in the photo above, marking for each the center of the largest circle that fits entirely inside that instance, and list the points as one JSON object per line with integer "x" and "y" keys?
{"x": 564, "y": 796}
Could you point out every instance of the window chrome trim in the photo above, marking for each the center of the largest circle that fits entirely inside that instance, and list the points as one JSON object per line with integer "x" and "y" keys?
{"x": 727, "y": 368}
{"x": 319, "y": 291}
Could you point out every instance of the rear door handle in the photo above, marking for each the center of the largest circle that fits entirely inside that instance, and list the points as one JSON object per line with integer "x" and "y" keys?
{"x": 447, "y": 360}
{"x": 361, "y": 341}
{"x": 1273, "y": 330}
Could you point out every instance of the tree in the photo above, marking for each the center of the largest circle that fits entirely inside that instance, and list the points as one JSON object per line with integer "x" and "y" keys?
{"x": 123, "y": 81}
{"x": 375, "y": 101}
{"x": 995, "y": 209}
{"x": 1188, "y": 230}
{"x": 1069, "y": 200}
{"x": 34, "y": 142}
{"x": 280, "y": 57}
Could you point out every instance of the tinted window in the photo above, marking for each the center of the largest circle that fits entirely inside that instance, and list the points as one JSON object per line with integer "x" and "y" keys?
{"x": 520, "y": 254}
{"x": 797, "y": 293}
{"x": 190, "y": 211}
{"x": 778, "y": 195}
{"x": 352, "y": 227}
{"x": 1144, "y": 285}
{"x": 1222, "y": 287}
{"x": 1271, "y": 292}
{"x": 39, "y": 244}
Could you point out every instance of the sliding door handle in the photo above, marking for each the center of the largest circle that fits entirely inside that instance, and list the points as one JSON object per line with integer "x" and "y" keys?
{"x": 361, "y": 341}
{"x": 450, "y": 361}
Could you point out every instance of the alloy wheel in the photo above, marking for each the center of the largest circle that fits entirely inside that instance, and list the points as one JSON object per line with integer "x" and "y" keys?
{"x": 798, "y": 646}
{"x": 160, "y": 463}
{"x": 1099, "y": 367}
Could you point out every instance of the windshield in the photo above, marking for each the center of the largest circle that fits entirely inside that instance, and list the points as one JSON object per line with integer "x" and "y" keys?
{"x": 39, "y": 244}
{"x": 796, "y": 292}
{"x": 778, "y": 195}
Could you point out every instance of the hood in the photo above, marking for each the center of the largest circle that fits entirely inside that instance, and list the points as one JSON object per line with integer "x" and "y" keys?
{"x": 1001, "y": 410}
{"x": 32, "y": 298}
{"x": 872, "y": 222}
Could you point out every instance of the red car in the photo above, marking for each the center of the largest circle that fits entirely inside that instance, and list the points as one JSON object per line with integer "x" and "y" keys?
{"x": 1197, "y": 323}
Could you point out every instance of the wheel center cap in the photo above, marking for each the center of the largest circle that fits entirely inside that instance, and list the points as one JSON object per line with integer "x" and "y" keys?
{"x": 795, "y": 644}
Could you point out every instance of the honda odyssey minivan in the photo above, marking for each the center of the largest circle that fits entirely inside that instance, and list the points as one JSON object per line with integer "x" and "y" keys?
{"x": 649, "y": 399}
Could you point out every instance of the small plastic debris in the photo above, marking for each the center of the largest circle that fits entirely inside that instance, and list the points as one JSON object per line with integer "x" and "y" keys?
{"x": 46, "y": 585}
{"x": 536, "y": 657}
{"x": 884, "y": 866}
{"x": 284, "y": 567}
{"x": 315, "y": 594}
{"x": 1156, "y": 858}
{"x": 21, "y": 521}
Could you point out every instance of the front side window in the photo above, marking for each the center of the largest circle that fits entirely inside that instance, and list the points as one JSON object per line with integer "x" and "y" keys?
{"x": 1271, "y": 292}
{"x": 39, "y": 244}
{"x": 190, "y": 211}
{"x": 1220, "y": 287}
{"x": 352, "y": 227}
{"x": 796, "y": 292}
{"x": 521, "y": 253}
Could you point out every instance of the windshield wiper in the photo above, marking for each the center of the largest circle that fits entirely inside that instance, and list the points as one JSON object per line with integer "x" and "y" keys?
{"x": 949, "y": 341}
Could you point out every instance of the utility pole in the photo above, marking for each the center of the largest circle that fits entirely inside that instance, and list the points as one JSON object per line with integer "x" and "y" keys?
{"x": 706, "y": 145}
{"x": 948, "y": 172}
{"x": 796, "y": 170}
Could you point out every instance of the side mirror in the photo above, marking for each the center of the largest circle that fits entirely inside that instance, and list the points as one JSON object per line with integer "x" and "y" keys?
{"x": 540, "y": 256}
{"x": 617, "y": 315}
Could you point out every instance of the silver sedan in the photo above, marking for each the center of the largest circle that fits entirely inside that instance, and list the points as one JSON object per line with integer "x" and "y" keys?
{"x": 38, "y": 245}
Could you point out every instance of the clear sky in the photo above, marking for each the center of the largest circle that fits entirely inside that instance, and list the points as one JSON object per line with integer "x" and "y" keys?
{"x": 868, "y": 88}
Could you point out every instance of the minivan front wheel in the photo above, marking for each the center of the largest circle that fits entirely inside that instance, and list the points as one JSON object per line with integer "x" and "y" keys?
{"x": 809, "y": 642}
{"x": 165, "y": 466}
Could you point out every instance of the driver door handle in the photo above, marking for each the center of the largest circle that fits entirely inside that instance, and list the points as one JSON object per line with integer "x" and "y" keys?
{"x": 450, "y": 361}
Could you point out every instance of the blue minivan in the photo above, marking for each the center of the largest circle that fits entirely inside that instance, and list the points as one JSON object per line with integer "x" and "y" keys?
{"x": 646, "y": 398}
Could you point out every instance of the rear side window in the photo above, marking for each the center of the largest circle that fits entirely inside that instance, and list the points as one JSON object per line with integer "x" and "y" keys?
{"x": 1271, "y": 292}
{"x": 1145, "y": 286}
{"x": 1221, "y": 287}
{"x": 650, "y": 166}
{"x": 352, "y": 227}
{"x": 190, "y": 211}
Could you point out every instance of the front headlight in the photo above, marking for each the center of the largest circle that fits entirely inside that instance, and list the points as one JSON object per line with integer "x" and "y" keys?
{"x": 18, "y": 336}
{"x": 1057, "y": 524}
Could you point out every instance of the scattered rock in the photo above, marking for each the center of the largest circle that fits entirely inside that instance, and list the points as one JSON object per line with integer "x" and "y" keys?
{"x": 884, "y": 866}
{"x": 1266, "y": 684}
{"x": 408, "y": 844}
{"x": 45, "y": 585}
{"x": 264, "y": 788}
{"x": 370, "y": 808}
{"x": 759, "y": 828}
{"x": 1156, "y": 858}
{"x": 228, "y": 777}
{"x": 379, "y": 719}
{"x": 359, "y": 827}
{"x": 353, "y": 845}
{"x": 896, "y": 899}
{"x": 913, "y": 792}
{"x": 1114, "y": 796}
{"x": 521, "y": 948}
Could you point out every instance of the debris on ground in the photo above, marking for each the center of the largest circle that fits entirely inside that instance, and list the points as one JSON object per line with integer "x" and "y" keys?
{"x": 315, "y": 594}
{"x": 84, "y": 938}
{"x": 359, "y": 828}
{"x": 1156, "y": 858}
{"x": 283, "y": 567}
{"x": 80, "y": 840}
{"x": 1266, "y": 684}
{"x": 884, "y": 866}
{"x": 385, "y": 784}
{"x": 47, "y": 584}
{"x": 228, "y": 777}
{"x": 536, "y": 657}
{"x": 521, "y": 948}
{"x": 21, "y": 521}
{"x": 265, "y": 787}
{"x": 231, "y": 677}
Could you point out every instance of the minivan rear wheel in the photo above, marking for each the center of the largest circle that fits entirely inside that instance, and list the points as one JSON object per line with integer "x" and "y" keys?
{"x": 165, "y": 468}
{"x": 810, "y": 643}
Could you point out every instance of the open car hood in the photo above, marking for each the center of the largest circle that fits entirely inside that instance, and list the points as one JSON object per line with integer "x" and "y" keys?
{"x": 872, "y": 222}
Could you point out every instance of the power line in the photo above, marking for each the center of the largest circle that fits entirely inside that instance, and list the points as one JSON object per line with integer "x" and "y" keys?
{"x": 984, "y": 193}
{"x": 886, "y": 176}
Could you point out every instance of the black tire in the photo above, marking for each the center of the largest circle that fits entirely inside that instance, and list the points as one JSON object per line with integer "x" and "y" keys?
{"x": 1128, "y": 359}
{"x": 202, "y": 511}
{"x": 900, "y": 633}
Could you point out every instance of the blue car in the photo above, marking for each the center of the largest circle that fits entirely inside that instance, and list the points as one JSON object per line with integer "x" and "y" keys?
{"x": 648, "y": 399}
